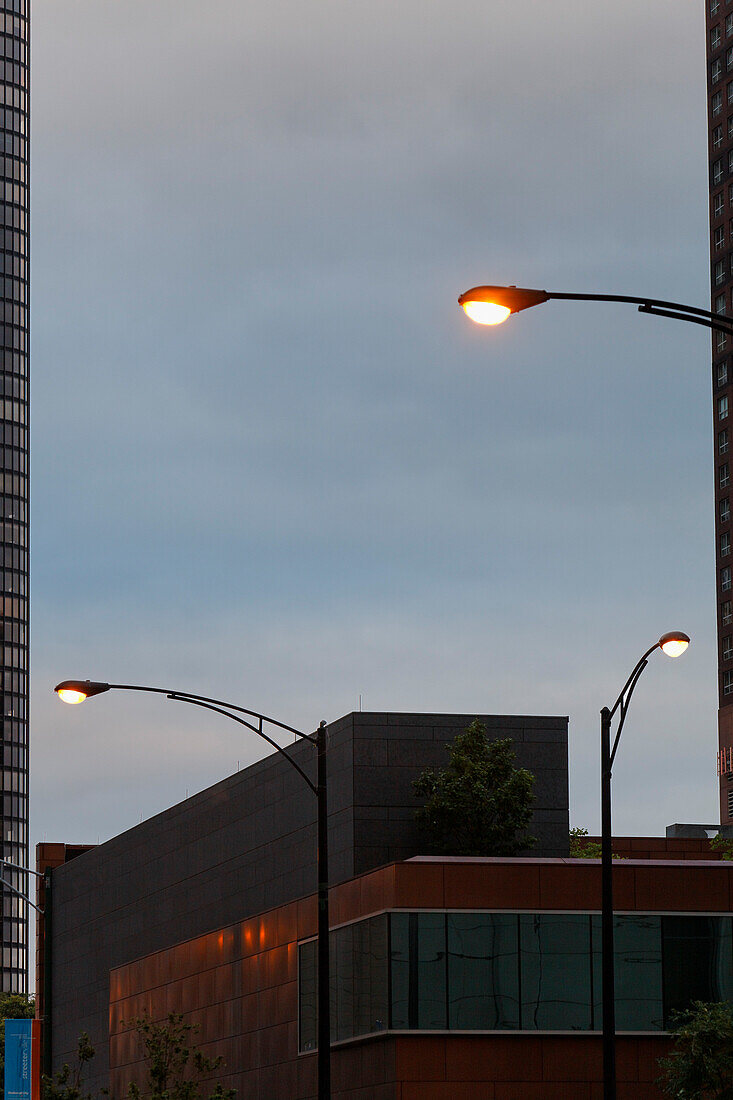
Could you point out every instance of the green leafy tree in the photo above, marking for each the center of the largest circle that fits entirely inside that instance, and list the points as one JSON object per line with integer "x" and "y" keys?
{"x": 583, "y": 849}
{"x": 67, "y": 1084}
{"x": 13, "y": 1006}
{"x": 175, "y": 1069}
{"x": 480, "y": 804}
{"x": 701, "y": 1065}
{"x": 724, "y": 845}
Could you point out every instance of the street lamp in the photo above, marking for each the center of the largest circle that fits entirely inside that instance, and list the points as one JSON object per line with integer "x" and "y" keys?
{"x": 673, "y": 644}
{"x": 490, "y": 305}
{"x": 76, "y": 691}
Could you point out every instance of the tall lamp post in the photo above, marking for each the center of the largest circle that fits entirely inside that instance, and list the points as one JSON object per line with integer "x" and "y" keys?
{"x": 76, "y": 691}
{"x": 673, "y": 644}
{"x": 492, "y": 305}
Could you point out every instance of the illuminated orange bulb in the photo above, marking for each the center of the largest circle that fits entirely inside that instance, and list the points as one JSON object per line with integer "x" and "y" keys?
{"x": 486, "y": 313}
{"x": 69, "y": 695}
{"x": 674, "y": 644}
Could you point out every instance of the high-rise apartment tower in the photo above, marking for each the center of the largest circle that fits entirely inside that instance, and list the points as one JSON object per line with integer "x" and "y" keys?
{"x": 720, "y": 126}
{"x": 14, "y": 395}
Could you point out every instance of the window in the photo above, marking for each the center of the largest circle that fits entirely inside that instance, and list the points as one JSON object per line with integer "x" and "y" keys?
{"x": 714, "y": 7}
{"x": 722, "y": 407}
{"x": 719, "y": 272}
{"x": 638, "y": 953}
{"x": 717, "y": 137}
{"x": 726, "y": 613}
{"x": 728, "y": 683}
{"x": 719, "y": 241}
{"x": 723, "y": 442}
{"x": 716, "y": 104}
{"x": 724, "y": 544}
{"x": 715, "y": 38}
{"x": 725, "y": 579}
{"x": 513, "y": 971}
{"x": 727, "y": 648}
{"x": 723, "y": 476}
{"x": 720, "y": 341}
{"x": 418, "y": 970}
{"x": 724, "y": 510}
{"x": 483, "y": 971}
{"x": 730, "y": 802}
{"x": 556, "y": 978}
{"x": 730, "y": 161}
{"x": 729, "y": 58}
{"x": 718, "y": 205}
{"x": 716, "y": 71}
{"x": 720, "y": 303}
{"x": 717, "y": 171}
{"x": 728, "y": 26}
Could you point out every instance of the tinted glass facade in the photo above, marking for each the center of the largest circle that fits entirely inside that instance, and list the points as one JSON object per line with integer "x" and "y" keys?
{"x": 514, "y": 972}
{"x": 14, "y": 427}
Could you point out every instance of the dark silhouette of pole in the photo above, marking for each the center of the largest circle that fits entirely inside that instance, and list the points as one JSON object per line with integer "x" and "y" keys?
{"x": 608, "y": 978}
{"x": 78, "y": 690}
{"x": 673, "y": 644}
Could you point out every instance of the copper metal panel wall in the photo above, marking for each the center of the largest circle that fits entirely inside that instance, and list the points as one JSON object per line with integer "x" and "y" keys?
{"x": 240, "y": 986}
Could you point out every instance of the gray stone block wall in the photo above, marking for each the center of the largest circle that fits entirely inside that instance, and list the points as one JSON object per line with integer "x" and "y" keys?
{"x": 248, "y": 844}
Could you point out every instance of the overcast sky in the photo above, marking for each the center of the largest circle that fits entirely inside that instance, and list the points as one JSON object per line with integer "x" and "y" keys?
{"x": 272, "y": 460}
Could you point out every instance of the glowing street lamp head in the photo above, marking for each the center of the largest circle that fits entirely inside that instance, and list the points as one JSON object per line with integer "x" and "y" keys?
{"x": 486, "y": 313}
{"x": 490, "y": 305}
{"x": 76, "y": 691}
{"x": 674, "y": 643}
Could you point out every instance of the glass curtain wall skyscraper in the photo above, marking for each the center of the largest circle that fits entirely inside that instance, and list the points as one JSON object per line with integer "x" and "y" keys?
{"x": 14, "y": 427}
{"x": 719, "y": 30}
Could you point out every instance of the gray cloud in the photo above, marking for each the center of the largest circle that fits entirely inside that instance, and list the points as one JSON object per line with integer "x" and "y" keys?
{"x": 272, "y": 461}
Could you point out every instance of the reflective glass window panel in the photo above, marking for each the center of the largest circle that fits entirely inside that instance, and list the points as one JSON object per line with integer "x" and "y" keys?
{"x": 418, "y": 968}
{"x": 638, "y": 973}
{"x": 371, "y": 987}
{"x": 556, "y": 979}
{"x": 723, "y": 442}
{"x": 308, "y": 995}
{"x": 342, "y": 983}
{"x": 483, "y": 971}
{"x": 698, "y": 962}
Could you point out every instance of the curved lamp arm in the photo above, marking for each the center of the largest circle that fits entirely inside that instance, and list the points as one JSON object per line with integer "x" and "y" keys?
{"x": 674, "y": 643}
{"x": 76, "y": 691}
{"x": 502, "y": 301}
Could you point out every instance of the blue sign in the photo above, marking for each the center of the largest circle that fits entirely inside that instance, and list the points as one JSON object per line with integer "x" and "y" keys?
{"x": 18, "y": 1059}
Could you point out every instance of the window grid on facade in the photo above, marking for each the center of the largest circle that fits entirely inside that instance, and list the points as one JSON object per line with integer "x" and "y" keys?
{"x": 14, "y": 448}
{"x": 464, "y": 971}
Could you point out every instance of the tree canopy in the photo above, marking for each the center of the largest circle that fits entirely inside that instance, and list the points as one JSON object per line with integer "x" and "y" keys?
{"x": 701, "y": 1065}
{"x": 480, "y": 804}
